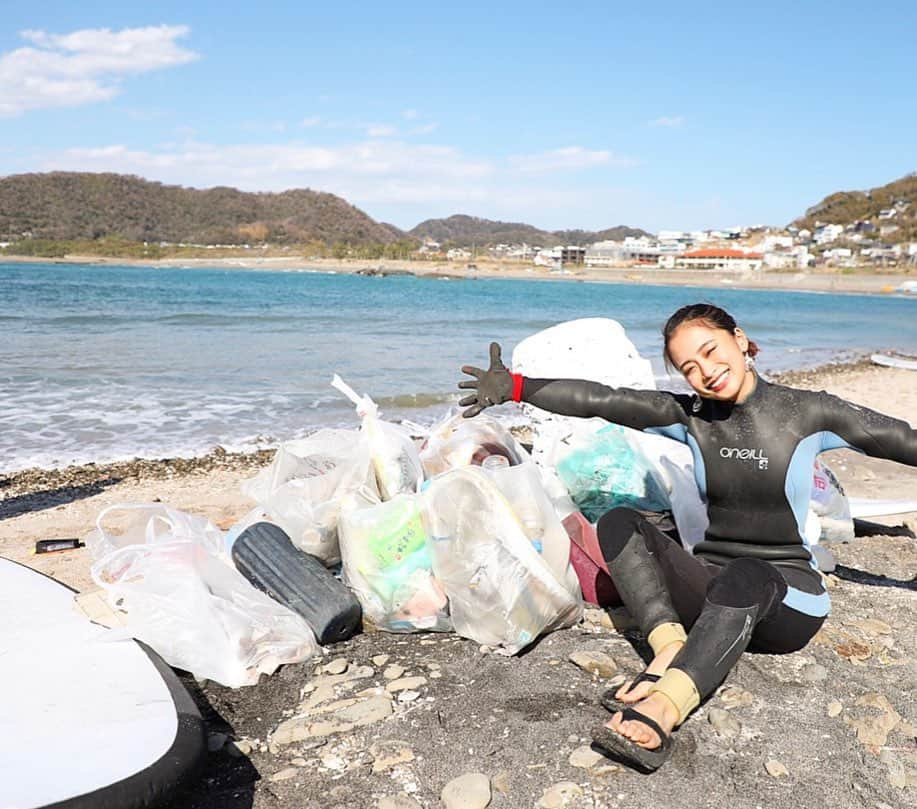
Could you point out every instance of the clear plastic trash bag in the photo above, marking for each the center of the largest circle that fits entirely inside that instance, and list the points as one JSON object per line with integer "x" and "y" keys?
{"x": 304, "y": 486}
{"x": 608, "y": 470}
{"x": 394, "y": 457}
{"x": 456, "y": 441}
{"x": 386, "y": 562}
{"x": 168, "y": 572}
{"x": 502, "y": 593}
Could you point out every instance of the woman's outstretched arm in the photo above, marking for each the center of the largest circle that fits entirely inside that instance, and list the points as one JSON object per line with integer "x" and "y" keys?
{"x": 640, "y": 409}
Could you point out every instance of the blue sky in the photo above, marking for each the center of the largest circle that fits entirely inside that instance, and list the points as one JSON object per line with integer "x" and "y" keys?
{"x": 663, "y": 115}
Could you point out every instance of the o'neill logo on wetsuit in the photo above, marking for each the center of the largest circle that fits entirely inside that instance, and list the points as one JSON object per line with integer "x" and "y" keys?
{"x": 745, "y": 454}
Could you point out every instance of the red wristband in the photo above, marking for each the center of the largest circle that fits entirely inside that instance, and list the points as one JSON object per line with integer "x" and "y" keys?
{"x": 518, "y": 380}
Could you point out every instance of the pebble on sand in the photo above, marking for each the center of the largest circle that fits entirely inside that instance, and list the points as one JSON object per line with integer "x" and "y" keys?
{"x": 356, "y": 714}
{"x": 585, "y": 757}
{"x": 736, "y": 697}
{"x": 724, "y": 723}
{"x": 559, "y": 795}
{"x": 337, "y": 666}
{"x": 285, "y": 774}
{"x": 596, "y": 663}
{"x": 468, "y": 791}
{"x": 405, "y": 684}
{"x": 776, "y": 768}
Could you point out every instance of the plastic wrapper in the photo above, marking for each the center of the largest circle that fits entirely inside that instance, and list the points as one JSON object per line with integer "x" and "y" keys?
{"x": 829, "y": 506}
{"x": 607, "y": 471}
{"x": 456, "y": 441}
{"x": 394, "y": 457}
{"x": 387, "y": 563}
{"x": 168, "y": 573}
{"x": 303, "y": 488}
{"x": 502, "y": 592}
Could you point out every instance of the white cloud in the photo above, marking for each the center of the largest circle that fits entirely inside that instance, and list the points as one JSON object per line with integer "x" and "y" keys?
{"x": 381, "y": 131}
{"x": 425, "y": 129}
{"x": 670, "y": 121}
{"x": 83, "y": 67}
{"x": 410, "y": 115}
{"x": 274, "y": 167}
{"x": 569, "y": 158}
{"x": 307, "y": 123}
{"x": 394, "y": 180}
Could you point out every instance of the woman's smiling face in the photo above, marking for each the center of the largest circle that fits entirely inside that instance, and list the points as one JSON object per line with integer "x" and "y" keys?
{"x": 712, "y": 360}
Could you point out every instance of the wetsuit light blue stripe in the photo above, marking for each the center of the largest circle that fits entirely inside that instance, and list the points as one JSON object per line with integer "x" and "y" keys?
{"x": 700, "y": 470}
{"x": 798, "y": 486}
{"x": 677, "y": 432}
{"x": 818, "y": 606}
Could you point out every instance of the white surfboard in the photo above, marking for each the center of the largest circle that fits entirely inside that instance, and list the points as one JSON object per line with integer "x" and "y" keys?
{"x": 863, "y": 507}
{"x": 85, "y": 721}
{"x": 894, "y": 362}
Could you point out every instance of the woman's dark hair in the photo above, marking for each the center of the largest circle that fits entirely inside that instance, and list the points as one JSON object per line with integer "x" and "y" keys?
{"x": 707, "y": 313}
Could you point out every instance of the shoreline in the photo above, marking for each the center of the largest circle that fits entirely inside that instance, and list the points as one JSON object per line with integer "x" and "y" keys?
{"x": 47, "y": 483}
{"x": 833, "y": 281}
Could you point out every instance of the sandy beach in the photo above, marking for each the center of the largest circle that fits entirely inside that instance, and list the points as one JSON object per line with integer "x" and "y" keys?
{"x": 861, "y": 281}
{"x": 523, "y": 722}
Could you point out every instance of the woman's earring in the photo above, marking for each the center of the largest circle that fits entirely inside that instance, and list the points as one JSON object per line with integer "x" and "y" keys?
{"x": 749, "y": 361}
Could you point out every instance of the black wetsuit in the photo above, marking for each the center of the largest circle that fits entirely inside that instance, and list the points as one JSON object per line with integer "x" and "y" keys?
{"x": 752, "y": 578}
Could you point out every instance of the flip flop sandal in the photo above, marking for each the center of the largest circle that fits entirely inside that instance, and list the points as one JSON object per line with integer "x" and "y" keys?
{"x": 629, "y": 752}
{"x": 611, "y": 703}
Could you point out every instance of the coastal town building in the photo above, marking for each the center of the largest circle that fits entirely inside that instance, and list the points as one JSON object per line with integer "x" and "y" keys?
{"x": 633, "y": 250}
{"x": 797, "y": 257}
{"x": 548, "y": 256}
{"x": 827, "y": 233}
{"x": 719, "y": 258}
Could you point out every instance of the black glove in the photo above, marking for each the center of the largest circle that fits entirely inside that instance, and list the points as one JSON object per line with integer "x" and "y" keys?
{"x": 493, "y": 386}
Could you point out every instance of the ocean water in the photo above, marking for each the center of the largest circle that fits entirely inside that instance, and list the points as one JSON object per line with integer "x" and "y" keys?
{"x": 105, "y": 363}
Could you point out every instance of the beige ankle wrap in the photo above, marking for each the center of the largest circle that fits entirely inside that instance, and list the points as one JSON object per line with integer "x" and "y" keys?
{"x": 664, "y": 634}
{"x": 679, "y": 689}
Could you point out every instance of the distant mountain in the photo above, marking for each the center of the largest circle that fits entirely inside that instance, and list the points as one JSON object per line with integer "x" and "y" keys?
{"x": 70, "y": 205}
{"x": 464, "y": 231}
{"x": 847, "y": 207}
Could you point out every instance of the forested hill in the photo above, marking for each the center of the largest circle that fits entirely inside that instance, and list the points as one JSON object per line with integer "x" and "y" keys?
{"x": 848, "y": 207}
{"x": 464, "y": 231}
{"x": 70, "y": 205}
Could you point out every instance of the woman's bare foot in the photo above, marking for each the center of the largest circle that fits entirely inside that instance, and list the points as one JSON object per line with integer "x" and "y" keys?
{"x": 656, "y": 707}
{"x": 660, "y": 664}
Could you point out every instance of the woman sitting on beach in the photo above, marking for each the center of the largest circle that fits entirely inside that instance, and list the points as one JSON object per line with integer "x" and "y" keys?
{"x": 752, "y": 581}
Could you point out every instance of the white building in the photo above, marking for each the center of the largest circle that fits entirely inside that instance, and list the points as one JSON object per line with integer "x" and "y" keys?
{"x": 548, "y": 257}
{"x": 773, "y": 241}
{"x": 828, "y": 233}
{"x": 719, "y": 258}
{"x": 604, "y": 254}
{"x": 839, "y": 257}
